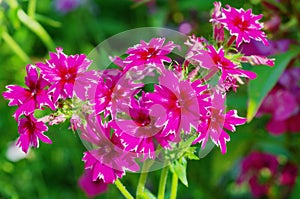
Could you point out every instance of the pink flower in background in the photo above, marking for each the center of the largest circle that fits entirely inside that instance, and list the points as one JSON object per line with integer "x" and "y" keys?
{"x": 90, "y": 187}
{"x": 288, "y": 175}
{"x": 243, "y": 25}
{"x": 31, "y": 98}
{"x": 213, "y": 124}
{"x": 282, "y": 103}
{"x": 62, "y": 70}
{"x": 65, "y": 6}
{"x": 31, "y": 131}
{"x": 258, "y": 48}
{"x": 251, "y": 171}
{"x": 153, "y": 53}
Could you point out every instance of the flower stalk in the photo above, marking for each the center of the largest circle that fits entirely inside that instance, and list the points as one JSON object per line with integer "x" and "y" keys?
{"x": 162, "y": 183}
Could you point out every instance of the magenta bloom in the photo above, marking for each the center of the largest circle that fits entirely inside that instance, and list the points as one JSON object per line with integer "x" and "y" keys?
{"x": 112, "y": 92}
{"x": 251, "y": 171}
{"x": 213, "y": 126}
{"x": 282, "y": 103}
{"x": 101, "y": 171}
{"x": 243, "y": 25}
{"x": 31, "y": 98}
{"x": 31, "y": 131}
{"x": 216, "y": 60}
{"x": 145, "y": 127}
{"x": 289, "y": 175}
{"x": 108, "y": 161}
{"x": 218, "y": 28}
{"x": 90, "y": 187}
{"x": 179, "y": 99}
{"x": 61, "y": 70}
{"x": 153, "y": 53}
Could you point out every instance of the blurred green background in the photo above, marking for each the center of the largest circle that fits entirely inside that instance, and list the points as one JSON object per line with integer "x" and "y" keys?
{"x": 52, "y": 171}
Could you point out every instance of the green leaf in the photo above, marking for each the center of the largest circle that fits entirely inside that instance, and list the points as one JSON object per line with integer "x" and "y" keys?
{"x": 296, "y": 190}
{"x": 35, "y": 27}
{"x": 47, "y": 20}
{"x": 266, "y": 79}
{"x": 190, "y": 153}
{"x": 179, "y": 167}
{"x": 147, "y": 194}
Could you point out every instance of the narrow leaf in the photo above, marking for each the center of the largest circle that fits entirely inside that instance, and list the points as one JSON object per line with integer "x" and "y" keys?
{"x": 35, "y": 27}
{"x": 179, "y": 167}
{"x": 266, "y": 80}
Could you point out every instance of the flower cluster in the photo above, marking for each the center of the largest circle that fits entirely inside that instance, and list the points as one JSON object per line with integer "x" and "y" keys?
{"x": 45, "y": 90}
{"x": 263, "y": 170}
{"x": 124, "y": 119}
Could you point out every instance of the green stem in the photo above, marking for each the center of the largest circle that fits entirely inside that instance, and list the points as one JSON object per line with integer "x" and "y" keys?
{"x": 162, "y": 183}
{"x": 174, "y": 186}
{"x": 142, "y": 181}
{"x": 123, "y": 189}
{"x": 15, "y": 47}
{"x": 141, "y": 185}
{"x": 31, "y": 8}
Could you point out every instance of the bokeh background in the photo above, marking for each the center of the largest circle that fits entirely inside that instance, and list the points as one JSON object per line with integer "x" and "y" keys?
{"x": 29, "y": 29}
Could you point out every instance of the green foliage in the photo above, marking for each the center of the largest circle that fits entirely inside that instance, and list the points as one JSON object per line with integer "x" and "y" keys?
{"x": 266, "y": 79}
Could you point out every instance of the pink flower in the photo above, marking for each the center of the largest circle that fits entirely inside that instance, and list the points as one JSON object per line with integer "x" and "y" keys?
{"x": 179, "y": 100}
{"x": 140, "y": 133}
{"x": 100, "y": 171}
{"x": 218, "y": 28}
{"x": 215, "y": 60}
{"x": 282, "y": 103}
{"x": 213, "y": 125}
{"x": 31, "y": 98}
{"x": 152, "y": 53}
{"x": 288, "y": 175}
{"x": 107, "y": 160}
{"x": 90, "y": 187}
{"x": 31, "y": 131}
{"x": 113, "y": 91}
{"x": 62, "y": 70}
{"x": 243, "y": 25}
{"x": 251, "y": 171}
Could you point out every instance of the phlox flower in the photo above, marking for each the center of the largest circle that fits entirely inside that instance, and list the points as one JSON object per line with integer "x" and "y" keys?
{"x": 107, "y": 160}
{"x": 179, "y": 100}
{"x": 153, "y": 53}
{"x": 212, "y": 126}
{"x": 215, "y": 61}
{"x": 113, "y": 91}
{"x": 251, "y": 168}
{"x": 243, "y": 25}
{"x": 62, "y": 70}
{"x": 218, "y": 28}
{"x": 31, "y": 131}
{"x": 90, "y": 187}
{"x": 28, "y": 99}
{"x": 282, "y": 103}
{"x": 289, "y": 175}
{"x": 140, "y": 132}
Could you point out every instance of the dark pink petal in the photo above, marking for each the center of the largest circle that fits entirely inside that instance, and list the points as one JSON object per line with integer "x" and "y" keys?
{"x": 31, "y": 131}
{"x": 276, "y": 127}
{"x": 90, "y": 187}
